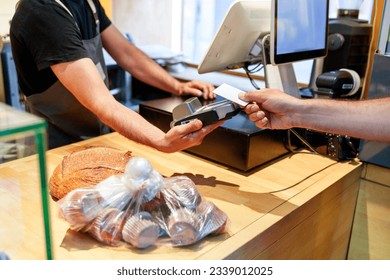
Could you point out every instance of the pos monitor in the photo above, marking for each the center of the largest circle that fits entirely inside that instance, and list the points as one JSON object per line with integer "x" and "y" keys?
{"x": 299, "y": 31}
{"x": 235, "y": 43}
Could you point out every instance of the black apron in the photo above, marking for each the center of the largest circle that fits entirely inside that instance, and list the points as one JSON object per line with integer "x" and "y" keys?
{"x": 68, "y": 120}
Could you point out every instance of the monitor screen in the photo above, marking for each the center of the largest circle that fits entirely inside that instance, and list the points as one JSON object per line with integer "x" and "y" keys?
{"x": 299, "y": 30}
{"x": 233, "y": 45}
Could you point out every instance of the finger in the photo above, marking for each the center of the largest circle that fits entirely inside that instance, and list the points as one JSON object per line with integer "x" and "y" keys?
{"x": 210, "y": 89}
{"x": 251, "y": 108}
{"x": 251, "y": 96}
{"x": 243, "y": 96}
{"x": 190, "y": 127}
{"x": 205, "y": 88}
{"x": 253, "y": 117}
{"x": 263, "y": 123}
{"x": 198, "y": 88}
{"x": 256, "y": 116}
{"x": 211, "y": 127}
{"x": 209, "y": 95}
{"x": 194, "y": 91}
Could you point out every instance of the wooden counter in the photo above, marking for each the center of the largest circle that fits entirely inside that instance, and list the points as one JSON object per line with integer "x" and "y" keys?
{"x": 298, "y": 207}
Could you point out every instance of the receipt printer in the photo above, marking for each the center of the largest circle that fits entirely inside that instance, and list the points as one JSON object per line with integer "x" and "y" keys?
{"x": 192, "y": 109}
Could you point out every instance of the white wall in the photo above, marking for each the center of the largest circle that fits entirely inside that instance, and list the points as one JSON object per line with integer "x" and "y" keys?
{"x": 7, "y": 9}
{"x": 149, "y": 22}
{"x": 365, "y": 10}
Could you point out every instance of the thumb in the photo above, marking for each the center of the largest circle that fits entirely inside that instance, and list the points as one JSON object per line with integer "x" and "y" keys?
{"x": 194, "y": 91}
{"x": 192, "y": 126}
{"x": 250, "y": 96}
{"x": 244, "y": 96}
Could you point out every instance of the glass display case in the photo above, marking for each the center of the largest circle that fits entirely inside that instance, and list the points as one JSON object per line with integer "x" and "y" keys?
{"x": 24, "y": 218}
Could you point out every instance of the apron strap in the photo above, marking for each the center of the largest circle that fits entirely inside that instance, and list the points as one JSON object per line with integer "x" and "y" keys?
{"x": 93, "y": 8}
{"x": 91, "y": 5}
{"x": 66, "y": 9}
{"x": 63, "y": 6}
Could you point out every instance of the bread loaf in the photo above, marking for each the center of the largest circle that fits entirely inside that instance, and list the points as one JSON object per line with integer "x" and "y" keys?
{"x": 85, "y": 168}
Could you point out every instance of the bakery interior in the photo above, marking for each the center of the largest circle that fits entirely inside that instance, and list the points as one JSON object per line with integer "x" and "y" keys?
{"x": 257, "y": 197}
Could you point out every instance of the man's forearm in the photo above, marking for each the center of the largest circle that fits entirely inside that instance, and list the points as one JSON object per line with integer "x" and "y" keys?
{"x": 362, "y": 119}
{"x": 151, "y": 73}
{"x": 84, "y": 81}
{"x": 136, "y": 62}
{"x": 131, "y": 125}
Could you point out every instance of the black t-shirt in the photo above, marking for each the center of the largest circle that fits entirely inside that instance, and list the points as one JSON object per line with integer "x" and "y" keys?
{"x": 43, "y": 33}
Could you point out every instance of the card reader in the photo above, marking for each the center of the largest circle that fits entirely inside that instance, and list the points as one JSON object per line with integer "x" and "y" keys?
{"x": 192, "y": 109}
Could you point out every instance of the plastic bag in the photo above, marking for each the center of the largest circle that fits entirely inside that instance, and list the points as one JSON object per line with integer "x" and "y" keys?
{"x": 143, "y": 209}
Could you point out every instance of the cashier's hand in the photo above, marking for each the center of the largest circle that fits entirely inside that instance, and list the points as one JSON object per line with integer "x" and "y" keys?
{"x": 197, "y": 88}
{"x": 184, "y": 136}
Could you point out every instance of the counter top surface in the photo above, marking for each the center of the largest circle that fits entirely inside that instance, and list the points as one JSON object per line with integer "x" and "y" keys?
{"x": 254, "y": 201}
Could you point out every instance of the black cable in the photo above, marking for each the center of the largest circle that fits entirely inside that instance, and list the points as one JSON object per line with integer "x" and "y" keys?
{"x": 314, "y": 151}
{"x": 302, "y": 139}
{"x": 254, "y": 70}
{"x": 253, "y": 83}
{"x": 257, "y": 68}
{"x": 304, "y": 179}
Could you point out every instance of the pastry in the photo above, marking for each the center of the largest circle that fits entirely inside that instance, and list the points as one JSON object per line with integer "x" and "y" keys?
{"x": 211, "y": 219}
{"x": 183, "y": 227}
{"x": 107, "y": 227}
{"x": 140, "y": 231}
{"x": 80, "y": 206}
{"x": 181, "y": 191}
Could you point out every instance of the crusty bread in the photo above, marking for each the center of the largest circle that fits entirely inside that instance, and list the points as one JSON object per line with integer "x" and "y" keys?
{"x": 85, "y": 168}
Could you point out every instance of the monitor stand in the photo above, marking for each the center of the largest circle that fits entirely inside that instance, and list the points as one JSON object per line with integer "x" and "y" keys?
{"x": 280, "y": 77}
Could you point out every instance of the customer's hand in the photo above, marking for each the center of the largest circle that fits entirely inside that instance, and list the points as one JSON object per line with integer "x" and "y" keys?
{"x": 184, "y": 136}
{"x": 197, "y": 88}
{"x": 270, "y": 108}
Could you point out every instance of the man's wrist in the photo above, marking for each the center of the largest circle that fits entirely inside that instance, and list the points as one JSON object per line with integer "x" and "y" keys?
{"x": 298, "y": 112}
{"x": 178, "y": 88}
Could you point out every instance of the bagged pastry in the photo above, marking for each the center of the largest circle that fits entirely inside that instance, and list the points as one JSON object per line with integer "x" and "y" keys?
{"x": 142, "y": 209}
